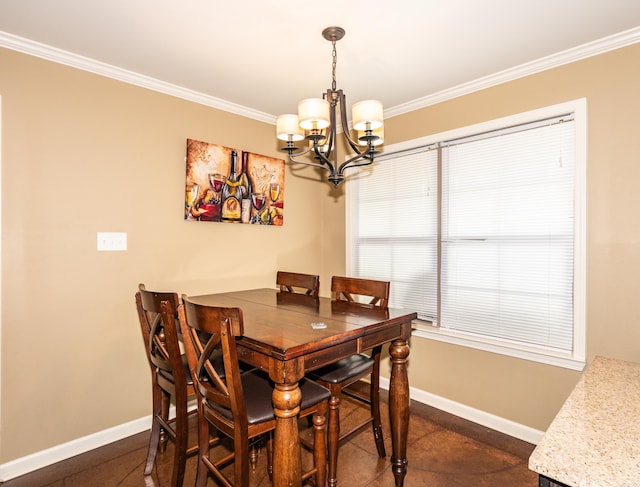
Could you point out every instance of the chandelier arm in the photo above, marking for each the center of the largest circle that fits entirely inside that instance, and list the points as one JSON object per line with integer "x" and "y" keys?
{"x": 354, "y": 145}
{"x": 324, "y": 160}
{"x": 345, "y": 123}
{"x": 309, "y": 163}
{"x": 331, "y": 130}
{"x": 351, "y": 162}
{"x": 331, "y": 146}
{"x": 367, "y": 163}
{"x": 290, "y": 149}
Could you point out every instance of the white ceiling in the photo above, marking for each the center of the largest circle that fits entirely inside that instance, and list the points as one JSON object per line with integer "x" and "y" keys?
{"x": 265, "y": 55}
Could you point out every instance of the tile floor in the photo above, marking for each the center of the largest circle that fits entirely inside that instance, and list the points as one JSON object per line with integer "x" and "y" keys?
{"x": 443, "y": 451}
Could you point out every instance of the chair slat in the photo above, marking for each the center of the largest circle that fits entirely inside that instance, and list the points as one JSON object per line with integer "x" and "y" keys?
{"x": 345, "y": 288}
{"x": 292, "y": 281}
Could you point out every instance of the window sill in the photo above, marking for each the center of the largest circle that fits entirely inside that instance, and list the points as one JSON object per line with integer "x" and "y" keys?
{"x": 424, "y": 329}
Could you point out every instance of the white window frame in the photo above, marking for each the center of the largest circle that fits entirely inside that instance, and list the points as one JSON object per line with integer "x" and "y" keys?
{"x": 574, "y": 359}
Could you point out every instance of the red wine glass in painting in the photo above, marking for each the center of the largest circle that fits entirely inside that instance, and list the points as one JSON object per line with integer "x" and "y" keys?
{"x": 217, "y": 181}
{"x": 258, "y": 200}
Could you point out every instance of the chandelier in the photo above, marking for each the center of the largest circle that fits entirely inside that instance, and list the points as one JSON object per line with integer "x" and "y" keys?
{"x": 316, "y": 122}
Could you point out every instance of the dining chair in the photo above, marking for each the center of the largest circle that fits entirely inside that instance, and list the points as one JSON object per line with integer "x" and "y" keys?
{"x": 238, "y": 405}
{"x": 298, "y": 300}
{"x": 292, "y": 282}
{"x": 338, "y": 376}
{"x": 169, "y": 378}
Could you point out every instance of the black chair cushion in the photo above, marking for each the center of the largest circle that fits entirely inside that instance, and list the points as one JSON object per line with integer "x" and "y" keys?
{"x": 169, "y": 376}
{"x": 216, "y": 360}
{"x": 258, "y": 389}
{"x": 344, "y": 369}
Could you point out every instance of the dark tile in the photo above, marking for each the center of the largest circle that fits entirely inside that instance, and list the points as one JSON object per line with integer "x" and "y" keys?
{"x": 443, "y": 451}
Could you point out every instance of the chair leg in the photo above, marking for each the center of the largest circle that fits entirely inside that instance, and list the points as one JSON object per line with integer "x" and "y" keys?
{"x": 166, "y": 402}
{"x": 333, "y": 437}
{"x": 181, "y": 443}
{"x": 241, "y": 458}
{"x": 375, "y": 403}
{"x": 154, "y": 439}
{"x": 254, "y": 453}
{"x": 319, "y": 447}
{"x": 270, "y": 455}
{"x": 202, "y": 474}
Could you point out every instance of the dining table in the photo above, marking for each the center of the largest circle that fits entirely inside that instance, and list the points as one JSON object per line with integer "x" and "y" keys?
{"x": 288, "y": 335}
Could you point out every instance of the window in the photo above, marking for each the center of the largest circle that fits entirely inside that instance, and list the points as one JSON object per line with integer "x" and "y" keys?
{"x": 481, "y": 231}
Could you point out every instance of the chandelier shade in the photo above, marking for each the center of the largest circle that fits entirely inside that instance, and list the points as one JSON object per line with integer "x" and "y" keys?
{"x": 313, "y": 113}
{"x": 367, "y": 114}
{"x": 287, "y": 127}
{"x": 317, "y": 122}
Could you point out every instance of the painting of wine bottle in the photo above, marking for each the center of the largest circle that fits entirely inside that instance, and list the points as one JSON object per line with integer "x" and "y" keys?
{"x": 228, "y": 185}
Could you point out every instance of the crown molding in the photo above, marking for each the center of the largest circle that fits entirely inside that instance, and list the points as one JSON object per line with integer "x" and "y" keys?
{"x": 616, "y": 41}
{"x": 60, "y": 56}
{"x": 50, "y": 53}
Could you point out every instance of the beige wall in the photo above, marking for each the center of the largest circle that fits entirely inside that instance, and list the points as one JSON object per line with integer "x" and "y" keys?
{"x": 82, "y": 154}
{"x": 518, "y": 390}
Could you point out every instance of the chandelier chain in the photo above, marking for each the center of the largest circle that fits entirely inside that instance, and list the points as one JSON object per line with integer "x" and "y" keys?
{"x": 334, "y": 53}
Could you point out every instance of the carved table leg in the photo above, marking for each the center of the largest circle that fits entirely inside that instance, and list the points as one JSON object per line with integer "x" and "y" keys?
{"x": 287, "y": 468}
{"x": 333, "y": 437}
{"x": 399, "y": 408}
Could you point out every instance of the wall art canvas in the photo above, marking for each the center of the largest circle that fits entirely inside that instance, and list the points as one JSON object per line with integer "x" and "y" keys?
{"x": 233, "y": 186}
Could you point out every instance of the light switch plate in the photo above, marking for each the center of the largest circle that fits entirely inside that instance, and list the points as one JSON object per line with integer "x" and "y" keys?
{"x": 112, "y": 241}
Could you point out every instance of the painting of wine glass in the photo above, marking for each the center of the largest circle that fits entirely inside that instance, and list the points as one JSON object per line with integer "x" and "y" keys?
{"x": 228, "y": 185}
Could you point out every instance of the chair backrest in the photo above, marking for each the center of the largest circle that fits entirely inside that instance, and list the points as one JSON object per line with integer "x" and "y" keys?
{"x": 297, "y": 300}
{"x": 210, "y": 331}
{"x": 291, "y": 281}
{"x": 161, "y": 337}
{"x": 349, "y": 288}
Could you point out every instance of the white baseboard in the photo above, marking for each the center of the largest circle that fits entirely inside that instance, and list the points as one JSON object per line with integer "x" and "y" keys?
{"x": 44, "y": 458}
{"x": 497, "y": 423}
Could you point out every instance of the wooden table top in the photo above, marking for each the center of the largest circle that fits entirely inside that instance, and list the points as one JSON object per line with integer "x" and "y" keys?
{"x": 285, "y": 325}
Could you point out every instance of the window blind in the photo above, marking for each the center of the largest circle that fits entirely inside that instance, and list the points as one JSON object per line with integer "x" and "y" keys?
{"x": 507, "y": 236}
{"x": 395, "y": 229}
{"x": 475, "y": 234}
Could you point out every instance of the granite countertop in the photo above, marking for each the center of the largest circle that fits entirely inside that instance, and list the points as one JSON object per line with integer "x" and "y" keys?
{"x": 594, "y": 441}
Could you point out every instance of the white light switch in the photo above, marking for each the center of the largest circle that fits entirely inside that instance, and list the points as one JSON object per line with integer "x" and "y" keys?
{"x": 110, "y": 241}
